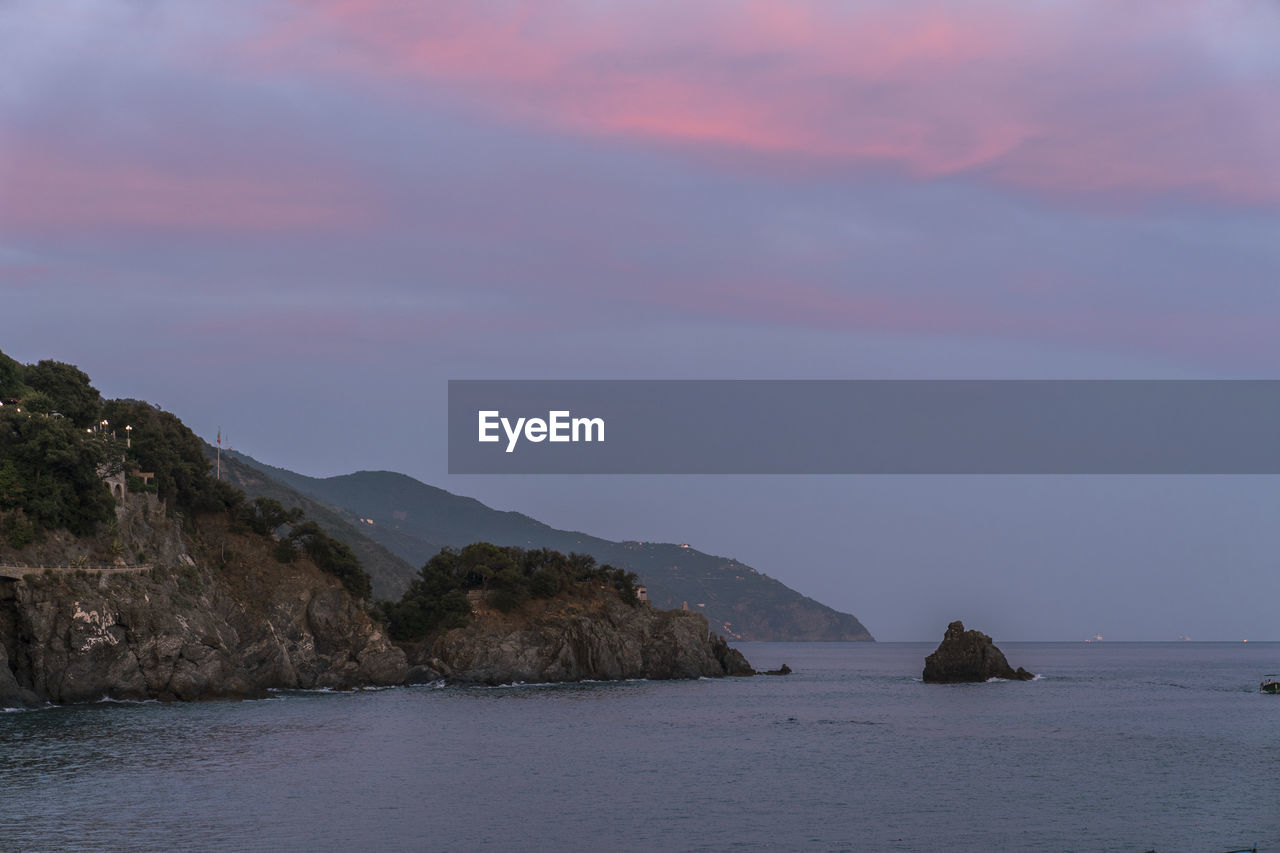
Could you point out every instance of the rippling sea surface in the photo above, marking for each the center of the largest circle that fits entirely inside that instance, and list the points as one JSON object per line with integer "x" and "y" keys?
{"x": 1117, "y": 746}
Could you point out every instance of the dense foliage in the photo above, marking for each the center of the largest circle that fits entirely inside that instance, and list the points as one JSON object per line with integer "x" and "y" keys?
{"x": 47, "y": 387}
{"x": 50, "y": 467}
{"x": 63, "y": 388}
{"x": 50, "y": 475}
{"x": 59, "y": 439}
{"x": 510, "y": 577}
{"x": 11, "y": 384}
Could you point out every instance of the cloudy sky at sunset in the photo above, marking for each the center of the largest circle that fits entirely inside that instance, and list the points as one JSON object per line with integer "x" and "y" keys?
{"x": 297, "y": 220}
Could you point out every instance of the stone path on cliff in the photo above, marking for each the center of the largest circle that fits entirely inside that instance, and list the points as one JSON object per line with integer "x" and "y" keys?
{"x": 19, "y": 572}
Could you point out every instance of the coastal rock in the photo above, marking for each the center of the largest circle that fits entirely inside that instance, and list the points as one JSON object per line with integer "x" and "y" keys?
{"x": 969, "y": 656}
{"x": 207, "y": 627}
{"x": 575, "y": 639}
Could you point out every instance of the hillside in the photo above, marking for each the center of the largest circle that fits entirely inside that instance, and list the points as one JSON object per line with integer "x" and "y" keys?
{"x": 127, "y": 571}
{"x": 414, "y": 520}
{"x": 130, "y": 570}
{"x": 389, "y": 573}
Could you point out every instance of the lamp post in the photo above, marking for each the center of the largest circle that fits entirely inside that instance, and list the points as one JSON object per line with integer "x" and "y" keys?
{"x": 128, "y": 436}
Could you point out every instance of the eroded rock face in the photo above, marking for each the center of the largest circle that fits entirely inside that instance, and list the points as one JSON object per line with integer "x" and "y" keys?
{"x": 969, "y": 656}
{"x": 12, "y": 694}
{"x": 582, "y": 639}
{"x": 186, "y": 631}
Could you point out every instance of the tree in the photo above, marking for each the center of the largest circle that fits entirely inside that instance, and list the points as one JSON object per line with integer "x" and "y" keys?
{"x": 68, "y": 390}
{"x": 11, "y": 491}
{"x": 481, "y": 562}
{"x": 265, "y": 516}
{"x": 436, "y": 599}
{"x": 11, "y": 384}
{"x": 50, "y": 470}
{"x": 331, "y": 556}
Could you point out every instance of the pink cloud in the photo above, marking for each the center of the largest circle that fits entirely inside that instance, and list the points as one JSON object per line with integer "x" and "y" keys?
{"x": 61, "y": 187}
{"x": 355, "y": 332}
{"x": 1085, "y": 99}
{"x": 1223, "y": 337}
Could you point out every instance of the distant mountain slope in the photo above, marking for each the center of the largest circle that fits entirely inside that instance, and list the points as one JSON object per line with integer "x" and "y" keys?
{"x": 414, "y": 520}
{"x": 389, "y": 573}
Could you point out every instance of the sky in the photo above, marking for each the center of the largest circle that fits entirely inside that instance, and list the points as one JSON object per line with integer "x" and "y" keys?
{"x": 296, "y": 221}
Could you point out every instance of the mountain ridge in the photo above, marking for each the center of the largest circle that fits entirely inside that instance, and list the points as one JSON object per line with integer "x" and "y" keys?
{"x": 414, "y": 520}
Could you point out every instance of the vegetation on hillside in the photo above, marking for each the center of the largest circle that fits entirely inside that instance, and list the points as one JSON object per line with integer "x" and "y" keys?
{"x": 509, "y": 577}
{"x": 389, "y": 574}
{"x": 51, "y": 460}
{"x": 415, "y": 520}
{"x": 49, "y": 476}
{"x": 59, "y": 439}
{"x": 163, "y": 445}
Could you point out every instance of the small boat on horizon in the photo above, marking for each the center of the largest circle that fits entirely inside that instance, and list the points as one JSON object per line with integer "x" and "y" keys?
{"x": 1097, "y": 638}
{"x": 1270, "y": 684}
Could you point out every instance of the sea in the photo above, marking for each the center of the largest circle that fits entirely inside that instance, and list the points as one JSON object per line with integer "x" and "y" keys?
{"x": 1114, "y": 747}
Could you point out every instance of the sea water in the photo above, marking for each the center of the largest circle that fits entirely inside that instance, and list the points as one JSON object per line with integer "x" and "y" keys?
{"x": 1115, "y": 747}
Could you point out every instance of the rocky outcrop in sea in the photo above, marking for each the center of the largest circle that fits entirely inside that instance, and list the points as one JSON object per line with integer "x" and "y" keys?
{"x": 577, "y": 638}
{"x": 969, "y": 656}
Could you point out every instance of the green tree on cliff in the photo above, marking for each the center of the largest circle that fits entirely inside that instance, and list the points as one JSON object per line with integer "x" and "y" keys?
{"x": 508, "y": 577}
{"x": 67, "y": 389}
{"x": 49, "y": 469}
{"x": 328, "y": 554}
{"x": 11, "y": 384}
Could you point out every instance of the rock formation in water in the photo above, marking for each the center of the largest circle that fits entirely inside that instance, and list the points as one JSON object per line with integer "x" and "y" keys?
{"x": 575, "y": 637}
{"x": 225, "y": 620}
{"x": 969, "y": 656}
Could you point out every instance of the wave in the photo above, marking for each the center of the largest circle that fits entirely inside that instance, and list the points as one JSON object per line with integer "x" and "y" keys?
{"x": 526, "y": 684}
{"x": 563, "y": 684}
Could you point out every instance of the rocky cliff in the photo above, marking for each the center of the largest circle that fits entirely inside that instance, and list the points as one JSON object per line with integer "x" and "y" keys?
{"x": 217, "y": 616}
{"x": 969, "y": 656}
{"x": 583, "y": 636}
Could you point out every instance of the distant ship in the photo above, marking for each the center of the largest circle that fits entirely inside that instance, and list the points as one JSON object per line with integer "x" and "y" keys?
{"x": 1097, "y": 638}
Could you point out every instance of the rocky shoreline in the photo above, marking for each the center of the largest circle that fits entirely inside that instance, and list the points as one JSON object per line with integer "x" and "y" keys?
{"x": 184, "y": 633}
{"x": 218, "y": 617}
